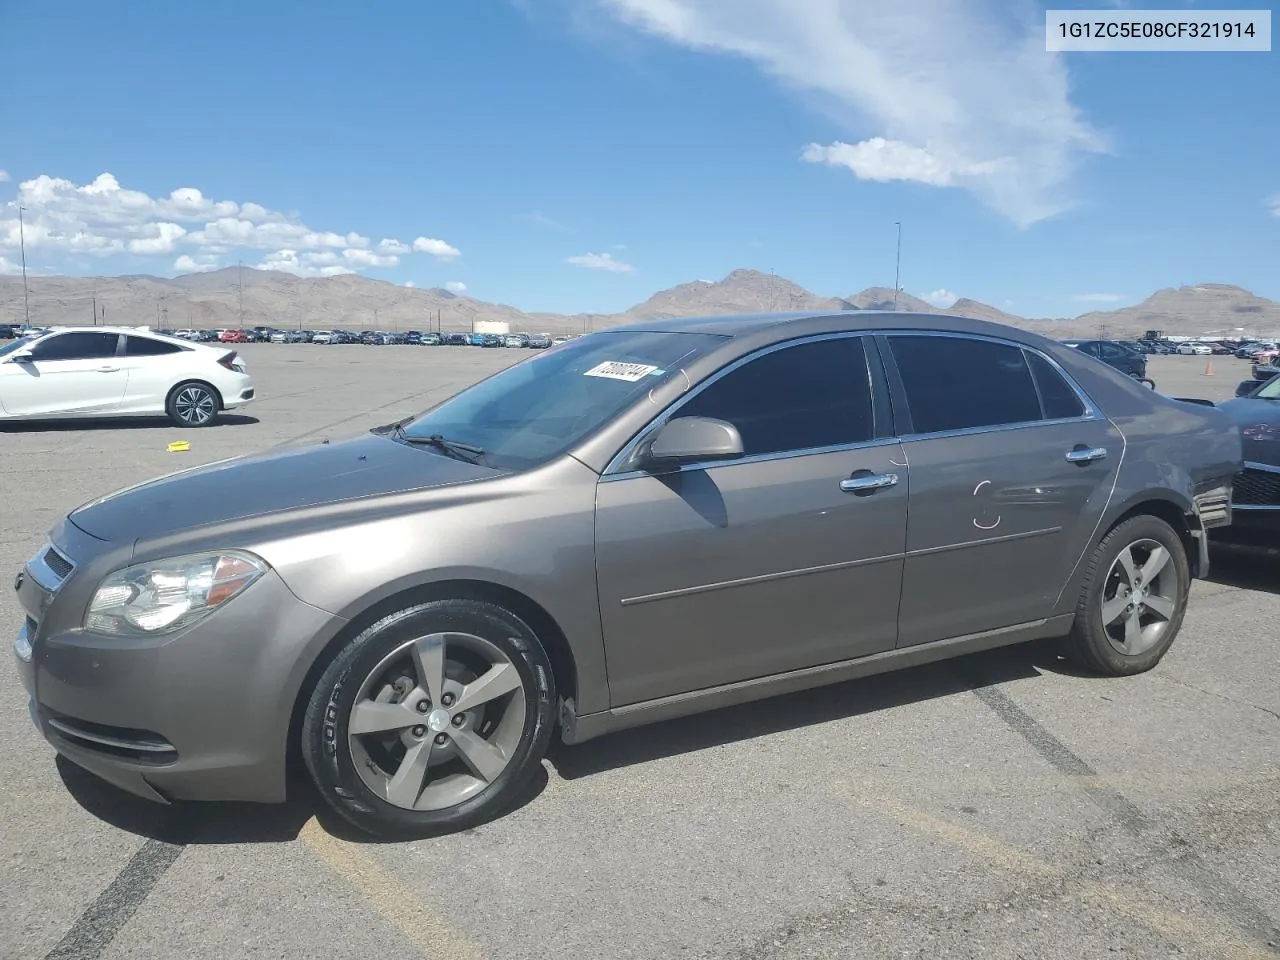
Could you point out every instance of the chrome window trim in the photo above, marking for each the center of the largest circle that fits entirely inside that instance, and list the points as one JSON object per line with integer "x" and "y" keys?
{"x": 43, "y": 574}
{"x": 1091, "y": 411}
{"x": 612, "y": 471}
{"x": 1261, "y": 467}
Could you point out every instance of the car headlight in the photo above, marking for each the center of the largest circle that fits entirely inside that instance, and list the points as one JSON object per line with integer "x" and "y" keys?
{"x": 162, "y": 596}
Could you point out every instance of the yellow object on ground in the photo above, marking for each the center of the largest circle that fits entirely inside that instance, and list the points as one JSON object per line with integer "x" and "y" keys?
{"x": 179, "y": 446}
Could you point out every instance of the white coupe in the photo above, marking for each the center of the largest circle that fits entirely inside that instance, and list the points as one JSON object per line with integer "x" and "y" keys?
{"x": 1194, "y": 349}
{"x": 119, "y": 372}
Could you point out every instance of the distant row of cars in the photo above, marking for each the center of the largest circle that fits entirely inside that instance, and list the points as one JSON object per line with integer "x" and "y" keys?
{"x": 1258, "y": 350}
{"x": 535, "y": 341}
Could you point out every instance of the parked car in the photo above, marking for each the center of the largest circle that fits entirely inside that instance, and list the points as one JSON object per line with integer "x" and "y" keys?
{"x": 1117, "y": 355}
{"x": 431, "y": 339}
{"x": 456, "y": 339}
{"x": 1194, "y": 349}
{"x": 321, "y": 336}
{"x": 114, "y": 372}
{"x": 606, "y": 504}
{"x": 1256, "y": 489}
{"x": 8, "y": 331}
{"x": 1265, "y": 371}
{"x": 538, "y": 341}
{"x": 233, "y": 336}
{"x": 514, "y": 341}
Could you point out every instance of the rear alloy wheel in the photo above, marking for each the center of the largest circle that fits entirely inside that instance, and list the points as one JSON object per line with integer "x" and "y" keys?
{"x": 1133, "y": 599}
{"x": 193, "y": 405}
{"x": 432, "y": 719}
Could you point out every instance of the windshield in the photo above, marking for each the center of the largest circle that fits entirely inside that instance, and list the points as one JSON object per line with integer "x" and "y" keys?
{"x": 1271, "y": 390}
{"x": 542, "y": 406}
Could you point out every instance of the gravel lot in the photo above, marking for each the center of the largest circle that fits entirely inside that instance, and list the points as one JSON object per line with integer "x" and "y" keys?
{"x": 1001, "y": 806}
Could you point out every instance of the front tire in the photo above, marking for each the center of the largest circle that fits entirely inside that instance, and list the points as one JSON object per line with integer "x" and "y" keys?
{"x": 193, "y": 404}
{"x": 1132, "y": 600}
{"x": 431, "y": 720}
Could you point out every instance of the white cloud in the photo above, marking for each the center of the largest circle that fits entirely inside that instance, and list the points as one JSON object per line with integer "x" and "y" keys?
{"x": 544, "y": 220}
{"x": 940, "y": 298}
{"x": 366, "y": 258}
{"x": 9, "y": 268}
{"x": 408, "y": 283}
{"x": 102, "y": 219}
{"x": 456, "y": 286}
{"x": 600, "y": 261}
{"x": 1274, "y": 205}
{"x": 437, "y": 248}
{"x": 1099, "y": 297}
{"x": 288, "y": 261}
{"x": 4, "y": 176}
{"x": 189, "y": 264}
{"x": 990, "y": 114}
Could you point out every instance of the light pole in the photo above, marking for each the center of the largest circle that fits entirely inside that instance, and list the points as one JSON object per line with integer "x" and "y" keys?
{"x": 22, "y": 243}
{"x": 897, "y": 265}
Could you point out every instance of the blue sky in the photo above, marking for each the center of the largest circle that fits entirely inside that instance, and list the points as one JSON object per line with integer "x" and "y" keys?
{"x": 578, "y": 155}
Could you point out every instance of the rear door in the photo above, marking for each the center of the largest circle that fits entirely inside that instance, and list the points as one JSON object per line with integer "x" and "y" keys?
{"x": 151, "y": 364}
{"x": 68, "y": 373}
{"x": 788, "y": 557}
{"x": 1011, "y": 469}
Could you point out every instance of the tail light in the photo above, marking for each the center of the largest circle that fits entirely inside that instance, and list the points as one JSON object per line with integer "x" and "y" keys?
{"x": 232, "y": 362}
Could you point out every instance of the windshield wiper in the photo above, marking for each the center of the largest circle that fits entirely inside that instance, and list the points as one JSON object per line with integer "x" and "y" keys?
{"x": 440, "y": 442}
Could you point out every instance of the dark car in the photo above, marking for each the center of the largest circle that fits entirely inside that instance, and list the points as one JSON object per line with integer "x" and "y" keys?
{"x": 456, "y": 339}
{"x": 1256, "y": 495}
{"x": 641, "y": 524}
{"x": 7, "y": 331}
{"x": 1118, "y": 354}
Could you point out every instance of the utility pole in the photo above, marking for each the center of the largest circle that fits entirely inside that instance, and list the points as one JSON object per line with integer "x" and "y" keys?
{"x": 22, "y": 243}
{"x": 897, "y": 266}
{"x": 240, "y": 285}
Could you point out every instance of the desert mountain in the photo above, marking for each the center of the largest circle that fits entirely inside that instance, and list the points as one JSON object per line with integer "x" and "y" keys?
{"x": 232, "y": 297}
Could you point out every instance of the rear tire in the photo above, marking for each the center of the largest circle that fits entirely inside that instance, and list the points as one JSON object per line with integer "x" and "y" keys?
{"x": 193, "y": 404}
{"x": 431, "y": 720}
{"x": 1132, "y": 600}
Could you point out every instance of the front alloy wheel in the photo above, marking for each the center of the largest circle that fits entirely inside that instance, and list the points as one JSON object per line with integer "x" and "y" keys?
{"x": 432, "y": 719}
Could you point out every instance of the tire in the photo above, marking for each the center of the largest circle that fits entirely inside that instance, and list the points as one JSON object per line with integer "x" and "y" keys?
{"x": 193, "y": 403}
{"x": 1102, "y": 643}
{"x": 453, "y": 778}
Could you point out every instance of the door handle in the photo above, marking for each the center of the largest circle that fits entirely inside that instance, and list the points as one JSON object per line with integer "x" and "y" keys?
{"x": 868, "y": 482}
{"x": 1083, "y": 454}
{"x": 108, "y": 369}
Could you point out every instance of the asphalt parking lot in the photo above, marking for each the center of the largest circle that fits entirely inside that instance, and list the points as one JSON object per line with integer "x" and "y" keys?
{"x": 1001, "y": 806}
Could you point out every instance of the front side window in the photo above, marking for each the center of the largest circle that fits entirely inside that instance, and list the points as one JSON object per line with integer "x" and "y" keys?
{"x": 542, "y": 406}
{"x": 815, "y": 394}
{"x": 957, "y": 383}
{"x": 79, "y": 345}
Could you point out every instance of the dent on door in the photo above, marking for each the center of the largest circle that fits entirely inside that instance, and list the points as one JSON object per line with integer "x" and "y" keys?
{"x": 997, "y": 523}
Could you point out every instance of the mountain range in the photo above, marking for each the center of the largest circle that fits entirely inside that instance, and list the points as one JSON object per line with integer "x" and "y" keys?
{"x": 233, "y": 297}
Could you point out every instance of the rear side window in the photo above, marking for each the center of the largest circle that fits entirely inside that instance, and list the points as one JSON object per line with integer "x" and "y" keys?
{"x": 146, "y": 347}
{"x": 80, "y": 345}
{"x": 1060, "y": 402}
{"x": 815, "y": 394}
{"x": 955, "y": 383}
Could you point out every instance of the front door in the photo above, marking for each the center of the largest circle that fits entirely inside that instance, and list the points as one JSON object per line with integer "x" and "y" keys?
{"x": 1010, "y": 474}
{"x": 725, "y": 572}
{"x": 67, "y": 373}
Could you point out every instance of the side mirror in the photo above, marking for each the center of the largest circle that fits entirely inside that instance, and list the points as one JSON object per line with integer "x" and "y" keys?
{"x": 695, "y": 438}
{"x": 22, "y": 356}
{"x": 1246, "y": 387}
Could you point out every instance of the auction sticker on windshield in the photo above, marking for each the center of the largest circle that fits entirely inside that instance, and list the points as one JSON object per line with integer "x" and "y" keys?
{"x": 617, "y": 370}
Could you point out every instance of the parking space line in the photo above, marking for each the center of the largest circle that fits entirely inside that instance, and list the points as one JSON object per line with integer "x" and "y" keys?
{"x": 1220, "y": 940}
{"x": 388, "y": 896}
{"x": 1224, "y": 896}
{"x": 93, "y": 932}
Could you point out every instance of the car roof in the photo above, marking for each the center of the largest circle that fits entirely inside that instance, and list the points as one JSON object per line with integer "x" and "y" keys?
{"x": 748, "y": 324}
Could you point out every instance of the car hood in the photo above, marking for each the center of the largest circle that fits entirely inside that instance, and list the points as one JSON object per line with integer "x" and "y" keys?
{"x": 267, "y": 483}
{"x": 1259, "y": 422}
